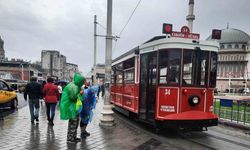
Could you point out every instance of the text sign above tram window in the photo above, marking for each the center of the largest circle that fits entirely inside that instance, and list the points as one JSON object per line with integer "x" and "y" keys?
{"x": 185, "y": 33}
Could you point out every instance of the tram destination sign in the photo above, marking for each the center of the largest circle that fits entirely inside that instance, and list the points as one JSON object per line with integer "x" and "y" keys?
{"x": 187, "y": 36}
{"x": 185, "y": 33}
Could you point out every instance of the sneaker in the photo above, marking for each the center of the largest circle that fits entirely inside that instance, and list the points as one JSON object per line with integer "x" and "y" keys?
{"x": 32, "y": 122}
{"x": 83, "y": 135}
{"x": 51, "y": 123}
{"x": 87, "y": 133}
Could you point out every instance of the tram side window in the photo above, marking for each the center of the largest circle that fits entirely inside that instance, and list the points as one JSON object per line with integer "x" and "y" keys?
{"x": 119, "y": 73}
{"x": 113, "y": 75}
{"x": 169, "y": 65}
{"x": 129, "y": 70}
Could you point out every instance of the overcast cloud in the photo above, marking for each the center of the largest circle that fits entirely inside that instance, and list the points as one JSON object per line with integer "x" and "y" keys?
{"x": 29, "y": 26}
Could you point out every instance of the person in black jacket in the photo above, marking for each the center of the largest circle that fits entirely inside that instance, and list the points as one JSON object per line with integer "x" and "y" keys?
{"x": 33, "y": 90}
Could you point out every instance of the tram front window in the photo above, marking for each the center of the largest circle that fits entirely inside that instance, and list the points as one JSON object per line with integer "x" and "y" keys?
{"x": 195, "y": 67}
{"x": 169, "y": 65}
{"x": 213, "y": 69}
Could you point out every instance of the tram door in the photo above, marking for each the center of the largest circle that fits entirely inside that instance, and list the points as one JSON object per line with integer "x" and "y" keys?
{"x": 147, "y": 100}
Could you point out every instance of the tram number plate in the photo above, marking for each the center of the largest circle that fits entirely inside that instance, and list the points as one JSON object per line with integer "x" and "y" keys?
{"x": 167, "y": 92}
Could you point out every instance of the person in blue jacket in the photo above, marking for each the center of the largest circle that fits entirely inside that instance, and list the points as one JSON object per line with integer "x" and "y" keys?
{"x": 86, "y": 114}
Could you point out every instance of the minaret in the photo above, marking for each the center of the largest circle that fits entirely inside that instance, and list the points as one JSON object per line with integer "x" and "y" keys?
{"x": 190, "y": 17}
{"x": 2, "y": 56}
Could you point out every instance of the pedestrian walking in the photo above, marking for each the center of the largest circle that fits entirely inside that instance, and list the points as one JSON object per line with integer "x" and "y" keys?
{"x": 98, "y": 91}
{"x": 68, "y": 106}
{"x": 86, "y": 114}
{"x": 103, "y": 90}
{"x": 51, "y": 96}
{"x": 33, "y": 90}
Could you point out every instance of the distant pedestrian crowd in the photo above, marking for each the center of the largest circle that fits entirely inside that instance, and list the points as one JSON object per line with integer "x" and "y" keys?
{"x": 76, "y": 101}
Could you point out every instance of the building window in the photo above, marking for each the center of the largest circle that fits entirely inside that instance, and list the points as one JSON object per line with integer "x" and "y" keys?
{"x": 222, "y": 46}
{"x": 236, "y": 46}
{"x": 229, "y": 46}
{"x": 243, "y": 46}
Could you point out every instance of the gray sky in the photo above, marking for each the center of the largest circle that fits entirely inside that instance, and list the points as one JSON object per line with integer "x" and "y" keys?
{"x": 29, "y": 26}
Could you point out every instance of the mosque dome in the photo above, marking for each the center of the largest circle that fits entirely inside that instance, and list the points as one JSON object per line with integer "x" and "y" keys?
{"x": 231, "y": 35}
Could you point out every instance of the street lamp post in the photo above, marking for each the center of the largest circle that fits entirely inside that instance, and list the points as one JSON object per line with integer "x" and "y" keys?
{"x": 22, "y": 70}
{"x": 107, "y": 118}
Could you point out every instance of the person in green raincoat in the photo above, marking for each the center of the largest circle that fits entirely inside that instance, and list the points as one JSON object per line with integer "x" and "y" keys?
{"x": 68, "y": 107}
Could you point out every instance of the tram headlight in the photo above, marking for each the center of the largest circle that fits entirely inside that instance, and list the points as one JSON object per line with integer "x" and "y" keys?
{"x": 194, "y": 100}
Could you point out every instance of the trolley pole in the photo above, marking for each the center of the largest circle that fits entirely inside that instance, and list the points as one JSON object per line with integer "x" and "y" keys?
{"x": 94, "y": 67}
{"x": 107, "y": 119}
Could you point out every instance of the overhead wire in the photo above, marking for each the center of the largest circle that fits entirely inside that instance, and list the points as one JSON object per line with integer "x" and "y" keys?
{"x": 130, "y": 17}
{"x": 119, "y": 35}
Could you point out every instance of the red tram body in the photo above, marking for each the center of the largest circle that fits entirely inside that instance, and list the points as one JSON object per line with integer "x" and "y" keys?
{"x": 167, "y": 81}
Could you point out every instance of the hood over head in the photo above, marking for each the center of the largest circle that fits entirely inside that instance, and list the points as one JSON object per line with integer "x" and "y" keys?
{"x": 78, "y": 79}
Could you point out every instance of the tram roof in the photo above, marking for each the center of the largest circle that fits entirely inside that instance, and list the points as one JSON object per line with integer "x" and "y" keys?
{"x": 161, "y": 42}
{"x": 130, "y": 52}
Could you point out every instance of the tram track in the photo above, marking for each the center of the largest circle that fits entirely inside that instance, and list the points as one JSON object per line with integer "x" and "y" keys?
{"x": 211, "y": 137}
{"x": 199, "y": 143}
{"x": 188, "y": 140}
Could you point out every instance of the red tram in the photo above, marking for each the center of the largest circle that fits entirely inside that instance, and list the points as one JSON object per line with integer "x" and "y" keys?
{"x": 168, "y": 81}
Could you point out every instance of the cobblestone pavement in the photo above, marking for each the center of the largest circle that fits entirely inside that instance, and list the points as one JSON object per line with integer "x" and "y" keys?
{"x": 16, "y": 132}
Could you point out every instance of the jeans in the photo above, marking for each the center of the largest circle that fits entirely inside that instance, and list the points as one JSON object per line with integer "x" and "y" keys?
{"x": 51, "y": 107}
{"x": 34, "y": 108}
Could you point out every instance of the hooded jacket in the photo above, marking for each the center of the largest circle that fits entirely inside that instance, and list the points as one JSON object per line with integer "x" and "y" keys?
{"x": 69, "y": 97}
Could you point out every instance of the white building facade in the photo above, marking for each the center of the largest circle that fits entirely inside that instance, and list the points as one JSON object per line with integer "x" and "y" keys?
{"x": 233, "y": 70}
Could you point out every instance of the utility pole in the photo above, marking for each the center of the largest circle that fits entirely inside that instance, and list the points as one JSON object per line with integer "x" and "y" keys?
{"x": 107, "y": 118}
{"x": 22, "y": 70}
{"x": 94, "y": 67}
{"x": 51, "y": 64}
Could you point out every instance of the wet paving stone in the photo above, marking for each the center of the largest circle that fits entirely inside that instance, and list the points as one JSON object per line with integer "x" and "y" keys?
{"x": 17, "y": 132}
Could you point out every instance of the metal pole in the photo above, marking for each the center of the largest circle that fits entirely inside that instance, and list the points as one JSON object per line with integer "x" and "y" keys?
{"x": 51, "y": 64}
{"x": 22, "y": 70}
{"x": 94, "y": 67}
{"x": 95, "y": 22}
{"x": 229, "y": 82}
{"x": 108, "y": 119}
{"x": 245, "y": 84}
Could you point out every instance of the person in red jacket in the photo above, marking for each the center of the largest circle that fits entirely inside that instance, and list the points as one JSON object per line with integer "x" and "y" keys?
{"x": 51, "y": 96}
